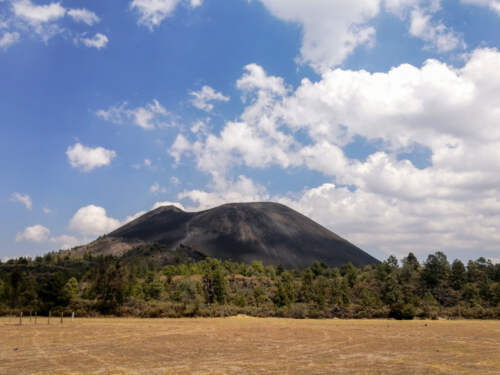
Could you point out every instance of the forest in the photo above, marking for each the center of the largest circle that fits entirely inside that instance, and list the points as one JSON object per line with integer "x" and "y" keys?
{"x": 104, "y": 285}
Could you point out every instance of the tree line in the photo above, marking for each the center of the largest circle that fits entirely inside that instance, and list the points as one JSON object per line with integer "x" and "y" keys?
{"x": 106, "y": 285}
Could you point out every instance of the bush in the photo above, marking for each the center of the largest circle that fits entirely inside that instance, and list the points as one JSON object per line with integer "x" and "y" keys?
{"x": 298, "y": 310}
{"x": 403, "y": 311}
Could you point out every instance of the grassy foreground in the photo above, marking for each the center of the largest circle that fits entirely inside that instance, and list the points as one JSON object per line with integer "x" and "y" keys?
{"x": 244, "y": 345}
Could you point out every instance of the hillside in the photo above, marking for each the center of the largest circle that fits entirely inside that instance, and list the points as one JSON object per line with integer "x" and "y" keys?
{"x": 244, "y": 232}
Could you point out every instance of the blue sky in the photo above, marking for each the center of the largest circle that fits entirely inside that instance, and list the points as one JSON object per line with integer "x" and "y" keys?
{"x": 379, "y": 118}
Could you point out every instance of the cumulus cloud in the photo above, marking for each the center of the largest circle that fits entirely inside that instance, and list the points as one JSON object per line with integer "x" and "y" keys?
{"x": 98, "y": 41}
{"x": 222, "y": 190}
{"x": 180, "y": 146}
{"x": 492, "y": 4}
{"x": 84, "y": 15}
{"x": 87, "y": 158}
{"x": 92, "y": 220}
{"x": 195, "y": 3}
{"x": 9, "y": 39}
{"x": 43, "y": 20}
{"x": 156, "y": 188}
{"x": 202, "y": 98}
{"x": 331, "y": 32}
{"x": 151, "y": 116}
{"x": 130, "y": 218}
{"x": 153, "y": 12}
{"x": 421, "y": 16}
{"x": 40, "y": 234}
{"x": 435, "y": 34}
{"x": 38, "y": 14}
{"x": 65, "y": 242}
{"x": 255, "y": 78}
{"x": 390, "y": 204}
{"x": 146, "y": 163}
{"x": 166, "y": 203}
{"x": 24, "y": 199}
{"x": 39, "y": 18}
{"x": 36, "y": 233}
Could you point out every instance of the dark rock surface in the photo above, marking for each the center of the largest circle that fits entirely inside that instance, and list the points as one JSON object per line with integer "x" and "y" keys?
{"x": 269, "y": 232}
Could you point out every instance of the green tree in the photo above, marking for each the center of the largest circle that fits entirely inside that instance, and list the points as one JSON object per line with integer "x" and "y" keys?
{"x": 306, "y": 288}
{"x": 71, "y": 287}
{"x": 214, "y": 282}
{"x": 436, "y": 270}
{"x": 153, "y": 288}
{"x": 458, "y": 275}
{"x": 52, "y": 293}
{"x": 281, "y": 297}
{"x": 350, "y": 273}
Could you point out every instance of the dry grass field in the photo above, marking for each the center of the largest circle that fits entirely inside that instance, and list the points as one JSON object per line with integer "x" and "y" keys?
{"x": 243, "y": 345}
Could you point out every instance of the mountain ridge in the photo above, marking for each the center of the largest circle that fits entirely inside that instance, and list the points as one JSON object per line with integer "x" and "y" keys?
{"x": 266, "y": 231}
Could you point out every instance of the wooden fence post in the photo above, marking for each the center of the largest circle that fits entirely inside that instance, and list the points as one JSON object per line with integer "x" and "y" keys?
{"x": 62, "y": 317}
{"x": 21, "y": 319}
{"x": 48, "y": 318}
{"x": 35, "y": 317}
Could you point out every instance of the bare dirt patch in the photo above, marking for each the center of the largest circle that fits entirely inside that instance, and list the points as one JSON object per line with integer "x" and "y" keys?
{"x": 243, "y": 345}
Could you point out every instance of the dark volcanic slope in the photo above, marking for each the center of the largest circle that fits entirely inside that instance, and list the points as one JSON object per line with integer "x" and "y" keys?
{"x": 270, "y": 232}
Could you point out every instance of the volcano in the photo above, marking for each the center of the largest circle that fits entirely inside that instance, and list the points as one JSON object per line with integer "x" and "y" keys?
{"x": 244, "y": 232}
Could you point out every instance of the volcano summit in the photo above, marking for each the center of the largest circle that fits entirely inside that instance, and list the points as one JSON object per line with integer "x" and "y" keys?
{"x": 244, "y": 232}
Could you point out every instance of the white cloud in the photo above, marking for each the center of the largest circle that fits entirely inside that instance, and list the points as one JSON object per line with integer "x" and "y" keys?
{"x": 254, "y": 141}
{"x": 38, "y": 14}
{"x": 179, "y": 147}
{"x": 24, "y": 199}
{"x": 200, "y": 126}
{"x": 130, "y": 218}
{"x": 45, "y": 21}
{"x": 153, "y": 12}
{"x": 492, "y": 4}
{"x": 84, "y": 15}
{"x": 452, "y": 203}
{"x": 87, "y": 158}
{"x": 243, "y": 189}
{"x": 147, "y": 163}
{"x": 195, "y": 3}
{"x": 66, "y": 242}
{"x": 42, "y": 19}
{"x": 420, "y": 14}
{"x": 149, "y": 117}
{"x": 331, "y": 31}
{"x": 174, "y": 180}
{"x": 144, "y": 117}
{"x": 156, "y": 188}
{"x": 163, "y": 204}
{"x": 36, "y": 233}
{"x": 437, "y": 35}
{"x": 9, "y": 39}
{"x": 40, "y": 234}
{"x": 47, "y": 210}
{"x": 92, "y": 221}
{"x": 202, "y": 98}
{"x": 98, "y": 41}
{"x": 255, "y": 78}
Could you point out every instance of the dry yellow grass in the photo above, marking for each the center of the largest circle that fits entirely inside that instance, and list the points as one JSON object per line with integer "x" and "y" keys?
{"x": 243, "y": 345}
